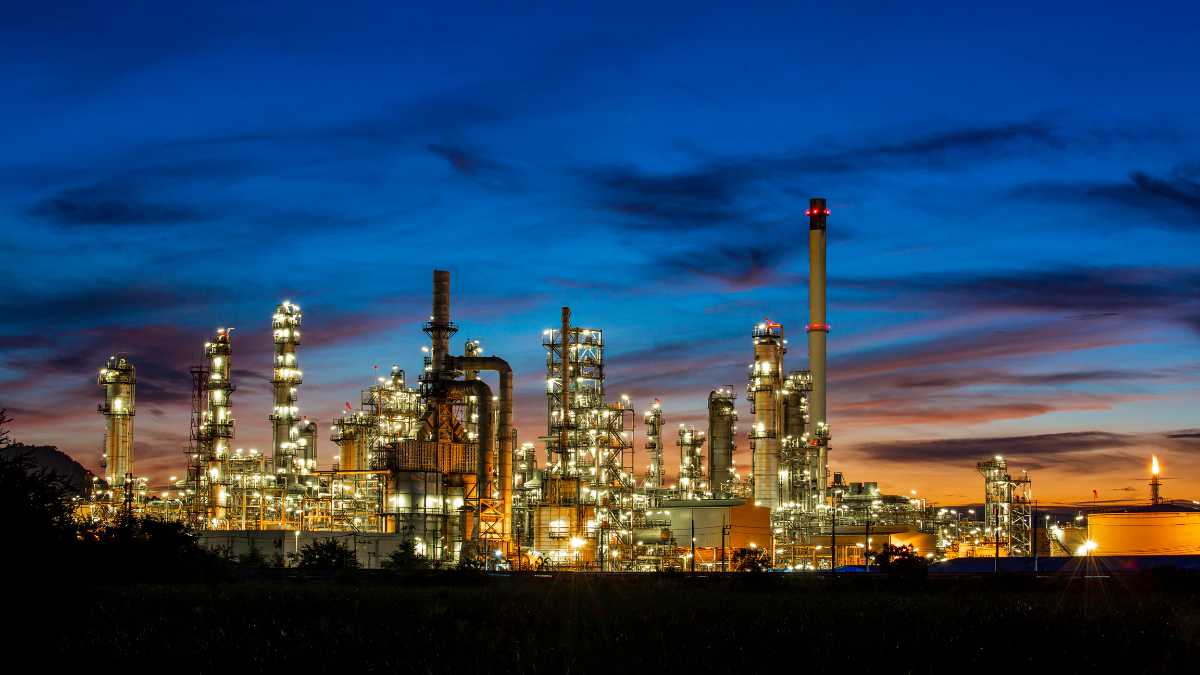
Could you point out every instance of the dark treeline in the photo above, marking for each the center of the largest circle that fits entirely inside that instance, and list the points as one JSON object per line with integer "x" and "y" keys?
{"x": 144, "y": 594}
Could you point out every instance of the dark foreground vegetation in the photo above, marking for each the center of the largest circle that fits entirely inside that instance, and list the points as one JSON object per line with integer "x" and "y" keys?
{"x": 462, "y": 622}
{"x": 141, "y": 595}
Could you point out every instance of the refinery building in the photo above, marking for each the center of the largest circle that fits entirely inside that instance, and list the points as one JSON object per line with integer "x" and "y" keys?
{"x": 434, "y": 460}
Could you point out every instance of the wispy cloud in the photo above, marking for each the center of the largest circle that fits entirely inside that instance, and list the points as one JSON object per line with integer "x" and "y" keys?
{"x": 1163, "y": 293}
{"x": 1033, "y": 451}
{"x": 737, "y": 267}
{"x": 102, "y": 205}
{"x": 723, "y": 192}
{"x": 475, "y": 165}
{"x": 1170, "y": 202}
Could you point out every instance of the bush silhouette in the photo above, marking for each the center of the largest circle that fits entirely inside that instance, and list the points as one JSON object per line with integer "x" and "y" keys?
{"x": 751, "y": 560}
{"x": 404, "y": 558}
{"x": 327, "y": 554}
{"x": 902, "y": 562}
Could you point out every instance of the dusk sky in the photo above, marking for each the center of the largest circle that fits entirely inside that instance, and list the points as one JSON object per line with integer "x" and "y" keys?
{"x": 1015, "y": 198}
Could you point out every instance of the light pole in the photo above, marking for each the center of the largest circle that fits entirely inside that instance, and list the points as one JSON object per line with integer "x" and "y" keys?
{"x": 867, "y": 536}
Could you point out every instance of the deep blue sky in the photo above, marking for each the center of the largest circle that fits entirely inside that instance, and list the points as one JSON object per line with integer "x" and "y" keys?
{"x": 1014, "y": 237}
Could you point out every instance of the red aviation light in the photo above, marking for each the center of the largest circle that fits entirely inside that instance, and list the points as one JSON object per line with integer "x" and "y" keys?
{"x": 818, "y": 326}
{"x": 816, "y": 212}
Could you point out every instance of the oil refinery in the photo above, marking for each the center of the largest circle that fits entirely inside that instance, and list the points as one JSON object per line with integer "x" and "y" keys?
{"x": 436, "y": 462}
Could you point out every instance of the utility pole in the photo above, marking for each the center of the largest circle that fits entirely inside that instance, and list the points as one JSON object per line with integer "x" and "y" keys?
{"x": 996, "y": 536}
{"x": 1033, "y": 540}
{"x": 724, "y": 531}
{"x": 127, "y": 497}
{"x": 833, "y": 537}
{"x": 867, "y": 541}
{"x": 692, "y": 517}
{"x": 517, "y": 537}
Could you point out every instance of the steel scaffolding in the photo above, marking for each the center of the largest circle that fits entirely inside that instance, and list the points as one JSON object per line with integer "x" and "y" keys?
{"x": 588, "y": 444}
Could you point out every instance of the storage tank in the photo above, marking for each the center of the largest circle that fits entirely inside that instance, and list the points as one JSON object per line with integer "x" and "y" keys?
{"x": 1164, "y": 529}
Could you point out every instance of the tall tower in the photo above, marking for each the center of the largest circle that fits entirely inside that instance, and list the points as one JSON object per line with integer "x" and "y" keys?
{"x": 119, "y": 383}
{"x": 217, "y": 424}
{"x": 691, "y": 468}
{"x": 588, "y": 444}
{"x": 766, "y": 401}
{"x": 1006, "y": 506}
{"x": 799, "y": 476}
{"x": 818, "y": 332}
{"x": 293, "y": 439}
{"x": 654, "y": 449}
{"x": 1155, "y": 483}
{"x": 721, "y": 418}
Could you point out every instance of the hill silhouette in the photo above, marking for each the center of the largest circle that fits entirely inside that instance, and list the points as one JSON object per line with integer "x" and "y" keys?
{"x": 51, "y": 458}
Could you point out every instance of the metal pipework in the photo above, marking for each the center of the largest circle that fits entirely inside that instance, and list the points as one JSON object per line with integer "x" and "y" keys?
{"x": 504, "y": 422}
{"x": 483, "y": 396}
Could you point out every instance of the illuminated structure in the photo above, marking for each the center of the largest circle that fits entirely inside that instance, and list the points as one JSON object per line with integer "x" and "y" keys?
{"x": 438, "y": 463}
{"x": 1155, "y": 483}
{"x": 208, "y": 477}
{"x": 585, "y": 517}
{"x": 293, "y": 439}
{"x": 692, "y": 484}
{"x": 654, "y": 448}
{"x": 764, "y": 391}
{"x": 722, "y": 418}
{"x": 1007, "y": 513}
{"x": 818, "y": 332}
{"x": 120, "y": 386}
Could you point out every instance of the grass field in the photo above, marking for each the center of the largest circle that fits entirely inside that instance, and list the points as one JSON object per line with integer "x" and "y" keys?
{"x": 576, "y": 624}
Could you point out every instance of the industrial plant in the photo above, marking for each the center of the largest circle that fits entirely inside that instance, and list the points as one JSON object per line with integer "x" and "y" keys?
{"x": 435, "y": 463}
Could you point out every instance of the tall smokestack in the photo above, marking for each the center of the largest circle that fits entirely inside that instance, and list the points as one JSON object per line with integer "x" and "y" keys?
{"x": 818, "y": 328}
{"x": 439, "y": 327}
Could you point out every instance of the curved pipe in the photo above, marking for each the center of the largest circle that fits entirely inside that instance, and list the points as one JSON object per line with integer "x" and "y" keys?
{"x": 504, "y": 421}
{"x": 483, "y": 394}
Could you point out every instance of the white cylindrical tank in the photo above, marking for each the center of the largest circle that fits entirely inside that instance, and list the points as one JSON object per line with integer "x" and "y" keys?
{"x": 1148, "y": 532}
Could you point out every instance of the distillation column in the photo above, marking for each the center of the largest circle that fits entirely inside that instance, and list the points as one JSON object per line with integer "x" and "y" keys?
{"x": 293, "y": 440}
{"x": 119, "y": 383}
{"x": 654, "y": 449}
{"x": 721, "y": 428}
{"x": 766, "y": 400}
{"x": 217, "y": 424}
{"x": 691, "y": 469}
{"x": 818, "y": 332}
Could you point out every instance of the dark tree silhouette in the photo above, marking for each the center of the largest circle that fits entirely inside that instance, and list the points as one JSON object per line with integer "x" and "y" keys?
{"x": 901, "y": 561}
{"x": 149, "y": 549}
{"x": 327, "y": 554}
{"x": 751, "y": 560}
{"x": 404, "y": 558}
{"x": 38, "y": 506}
{"x": 4, "y": 430}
